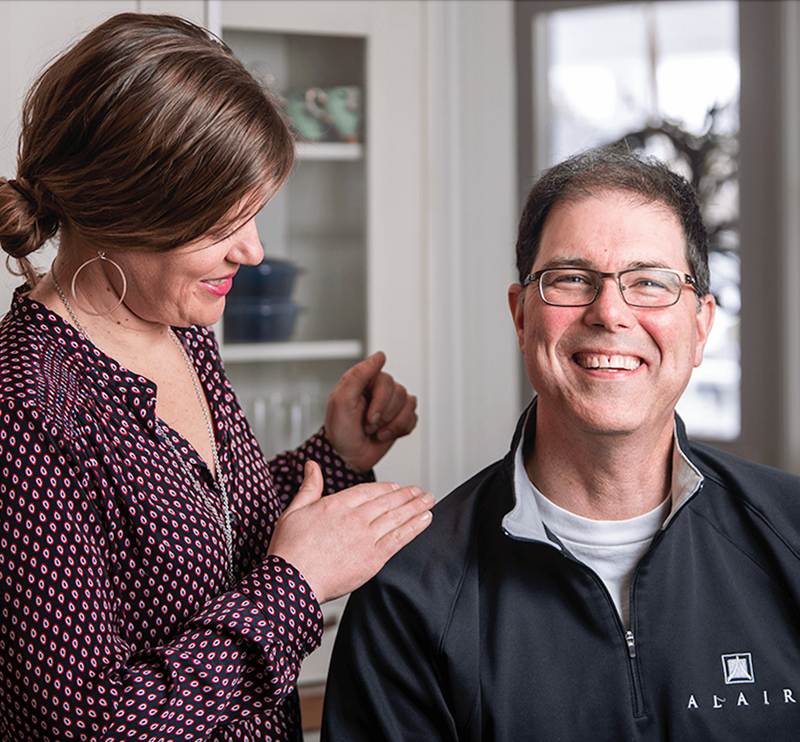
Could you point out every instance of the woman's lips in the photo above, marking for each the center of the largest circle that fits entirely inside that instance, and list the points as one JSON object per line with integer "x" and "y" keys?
{"x": 218, "y": 286}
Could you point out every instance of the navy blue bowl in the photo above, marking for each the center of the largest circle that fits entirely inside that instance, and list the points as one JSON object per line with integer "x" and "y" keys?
{"x": 270, "y": 279}
{"x": 259, "y": 321}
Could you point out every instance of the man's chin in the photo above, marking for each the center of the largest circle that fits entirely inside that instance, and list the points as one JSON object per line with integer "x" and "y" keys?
{"x": 614, "y": 419}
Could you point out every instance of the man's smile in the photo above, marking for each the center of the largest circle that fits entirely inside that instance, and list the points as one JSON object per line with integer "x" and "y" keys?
{"x": 607, "y": 362}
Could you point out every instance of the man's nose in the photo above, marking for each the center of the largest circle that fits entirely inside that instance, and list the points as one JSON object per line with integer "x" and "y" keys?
{"x": 609, "y": 309}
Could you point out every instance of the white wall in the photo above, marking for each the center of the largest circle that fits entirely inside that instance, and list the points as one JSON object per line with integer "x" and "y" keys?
{"x": 474, "y": 368}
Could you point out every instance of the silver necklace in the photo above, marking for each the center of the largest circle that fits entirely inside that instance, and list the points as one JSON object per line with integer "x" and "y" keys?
{"x": 220, "y": 513}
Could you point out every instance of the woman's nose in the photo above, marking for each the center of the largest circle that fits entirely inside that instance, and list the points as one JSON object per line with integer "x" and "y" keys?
{"x": 248, "y": 249}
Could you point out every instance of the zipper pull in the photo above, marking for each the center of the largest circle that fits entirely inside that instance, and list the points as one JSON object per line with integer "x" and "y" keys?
{"x": 631, "y": 645}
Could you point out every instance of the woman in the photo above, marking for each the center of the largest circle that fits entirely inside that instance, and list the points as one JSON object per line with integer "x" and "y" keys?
{"x": 160, "y": 579}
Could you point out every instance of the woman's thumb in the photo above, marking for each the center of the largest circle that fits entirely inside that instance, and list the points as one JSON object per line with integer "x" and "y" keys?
{"x": 311, "y": 489}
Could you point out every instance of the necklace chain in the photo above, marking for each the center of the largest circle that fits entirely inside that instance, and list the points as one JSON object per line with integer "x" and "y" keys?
{"x": 222, "y": 518}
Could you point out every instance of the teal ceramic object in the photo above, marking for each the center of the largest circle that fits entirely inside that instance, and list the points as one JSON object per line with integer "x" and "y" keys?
{"x": 344, "y": 109}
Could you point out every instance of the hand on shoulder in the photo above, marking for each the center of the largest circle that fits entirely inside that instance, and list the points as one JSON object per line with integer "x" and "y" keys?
{"x": 340, "y": 541}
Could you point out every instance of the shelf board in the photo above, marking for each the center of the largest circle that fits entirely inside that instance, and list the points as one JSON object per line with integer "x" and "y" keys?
{"x": 321, "y": 350}
{"x": 329, "y": 150}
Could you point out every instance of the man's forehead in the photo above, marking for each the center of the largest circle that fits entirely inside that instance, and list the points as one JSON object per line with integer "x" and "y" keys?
{"x": 613, "y": 197}
{"x": 650, "y": 233}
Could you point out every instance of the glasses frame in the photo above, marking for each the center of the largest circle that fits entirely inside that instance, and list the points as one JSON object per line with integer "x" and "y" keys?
{"x": 686, "y": 280}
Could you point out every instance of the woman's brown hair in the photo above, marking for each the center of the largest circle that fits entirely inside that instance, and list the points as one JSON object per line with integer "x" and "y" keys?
{"x": 144, "y": 135}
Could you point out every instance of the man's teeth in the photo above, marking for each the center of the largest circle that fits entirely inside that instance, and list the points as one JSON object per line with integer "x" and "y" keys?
{"x": 624, "y": 363}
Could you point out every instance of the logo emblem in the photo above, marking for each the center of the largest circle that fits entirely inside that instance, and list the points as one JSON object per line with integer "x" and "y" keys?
{"x": 738, "y": 668}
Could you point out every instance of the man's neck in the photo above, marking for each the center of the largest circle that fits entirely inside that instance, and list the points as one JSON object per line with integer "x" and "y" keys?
{"x": 601, "y": 476}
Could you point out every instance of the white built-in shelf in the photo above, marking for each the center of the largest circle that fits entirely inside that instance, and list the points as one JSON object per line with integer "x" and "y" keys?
{"x": 330, "y": 150}
{"x": 321, "y": 350}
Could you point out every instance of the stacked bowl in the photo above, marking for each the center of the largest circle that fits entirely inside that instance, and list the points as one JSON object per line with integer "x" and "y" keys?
{"x": 259, "y": 305}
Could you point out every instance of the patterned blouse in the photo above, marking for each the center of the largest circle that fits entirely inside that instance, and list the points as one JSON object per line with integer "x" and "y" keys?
{"x": 117, "y": 620}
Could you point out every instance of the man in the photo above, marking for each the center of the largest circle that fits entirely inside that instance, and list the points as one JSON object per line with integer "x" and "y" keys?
{"x": 609, "y": 579}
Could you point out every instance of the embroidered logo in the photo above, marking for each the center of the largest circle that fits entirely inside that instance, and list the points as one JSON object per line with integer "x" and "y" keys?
{"x": 738, "y": 668}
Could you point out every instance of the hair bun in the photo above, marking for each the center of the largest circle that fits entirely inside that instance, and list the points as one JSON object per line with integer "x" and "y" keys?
{"x": 23, "y": 187}
{"x": 26, "y": 223}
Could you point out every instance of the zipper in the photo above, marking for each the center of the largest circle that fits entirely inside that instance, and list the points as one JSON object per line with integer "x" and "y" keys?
{"x": 629, "y": 640}
{"x": 636, "y": 684}
{"x": 637, "y": 696}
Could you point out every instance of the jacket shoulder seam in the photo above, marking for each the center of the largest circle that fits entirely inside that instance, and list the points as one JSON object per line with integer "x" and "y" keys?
{"x": 763, "y": 520}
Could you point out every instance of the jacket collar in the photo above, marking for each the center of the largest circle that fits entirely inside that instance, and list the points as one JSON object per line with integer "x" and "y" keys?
{"x": 687, "y": 480}
{"x": 524, "y": 521}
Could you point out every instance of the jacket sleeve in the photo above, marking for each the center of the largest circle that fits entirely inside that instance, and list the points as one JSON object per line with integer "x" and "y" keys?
{"x": 72, "y": 665}
{"x": 385, "y": 680}
{"x": 287, "y": 468}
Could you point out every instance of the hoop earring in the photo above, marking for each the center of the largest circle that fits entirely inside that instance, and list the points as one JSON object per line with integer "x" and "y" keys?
{"x": 100, "y": 256}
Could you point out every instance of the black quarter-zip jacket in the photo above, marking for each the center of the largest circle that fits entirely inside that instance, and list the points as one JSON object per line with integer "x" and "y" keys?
{"x": 471, "y": 634}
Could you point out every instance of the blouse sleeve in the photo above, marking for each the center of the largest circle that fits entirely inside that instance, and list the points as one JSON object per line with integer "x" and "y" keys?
{"x": 287, "y": 468}
{"x": 71, "y": 663}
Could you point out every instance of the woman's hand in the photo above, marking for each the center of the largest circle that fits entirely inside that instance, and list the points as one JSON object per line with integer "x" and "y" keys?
{"x": 338, "y": 542}
{"x": 367, "y": 411}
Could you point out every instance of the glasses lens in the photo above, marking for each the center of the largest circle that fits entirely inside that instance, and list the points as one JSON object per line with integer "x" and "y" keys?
{"x": 568, "y": 287}
{"x": 650, "y": 288}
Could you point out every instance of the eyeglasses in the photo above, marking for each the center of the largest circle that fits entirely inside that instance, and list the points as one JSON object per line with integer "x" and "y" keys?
{"x": 640, "y": 287}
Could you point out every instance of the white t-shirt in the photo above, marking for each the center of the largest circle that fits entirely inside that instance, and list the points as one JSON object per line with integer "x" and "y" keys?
{"x": 612, "y": 548}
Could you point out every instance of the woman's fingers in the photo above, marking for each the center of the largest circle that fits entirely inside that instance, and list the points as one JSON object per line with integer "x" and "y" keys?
{"x": 373, "y": 493}
{"x": 395, "y": 507}
{"x": 386, "y": 399}
{"x": 340, "y": 541}
{"x": 397, "y": 527}
{"x": 403, "y": 421}
{"x": 311, "y": 489}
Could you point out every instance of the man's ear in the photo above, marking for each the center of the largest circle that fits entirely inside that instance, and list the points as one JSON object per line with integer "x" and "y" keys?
{"x": 516, "y": 302}
{"x": 705, "y": 320}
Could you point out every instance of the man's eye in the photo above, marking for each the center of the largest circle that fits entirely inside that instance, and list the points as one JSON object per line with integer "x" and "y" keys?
{"x": 649, "y": 283}
{"x": 566, "y": 279}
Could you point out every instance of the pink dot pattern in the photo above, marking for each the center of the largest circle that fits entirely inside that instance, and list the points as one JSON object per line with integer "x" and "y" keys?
{"x": 117, "y": 623}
